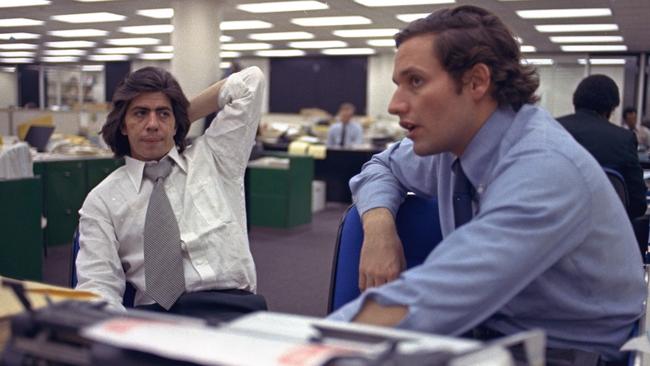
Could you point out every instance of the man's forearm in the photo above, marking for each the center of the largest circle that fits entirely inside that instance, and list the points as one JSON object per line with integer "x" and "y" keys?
{"x": 205, "y": 103}
{"x": 375, "y": 314}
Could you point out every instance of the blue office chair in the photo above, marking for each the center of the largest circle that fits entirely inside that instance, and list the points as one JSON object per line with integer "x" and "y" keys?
{"x": 418, "y": 228}
{"x": 129, "y": 292}
{"x": 641, "y": 225}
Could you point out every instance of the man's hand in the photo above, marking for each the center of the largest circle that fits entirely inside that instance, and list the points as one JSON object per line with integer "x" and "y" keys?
{"x": 382, "y": 255}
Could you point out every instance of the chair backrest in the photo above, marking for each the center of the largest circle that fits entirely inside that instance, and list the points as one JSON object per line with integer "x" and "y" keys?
{"x": 418, "y": 228}
{"x": 620, "y": 187}
{"x": 129, "y": 292}
{"x": 641, "y": 225}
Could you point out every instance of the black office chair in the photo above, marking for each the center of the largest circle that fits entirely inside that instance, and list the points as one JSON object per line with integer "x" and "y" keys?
{"x": 641, "y": 225}
{"x": 129, "y": 292}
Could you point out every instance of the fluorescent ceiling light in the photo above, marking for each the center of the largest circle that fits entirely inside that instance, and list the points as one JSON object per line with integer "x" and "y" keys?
{"x": 8, "y": 69}
{"x": 164, "y": 49}
{"x": 119, "y": 50}
{"x": 318, "y": 44}
{"x": 280, "y": 53}
{"x": 564, "y": 13}
{"x": 70, "y": 44}
{"x": 602, "y": 61}
{"x": 17, "y": 54}
{"x": 349, "y": 51}
{"x": 64, "y": 52}
{"x": 108, "y": 57}
{"x": 551, "y": 28}
{"x": 362, "y": 33}
{"x": 18, "y": 46}
{"x": 331, "y": 21}
{"x": 93, "y": 1}
{"x": 133, "y": 41}
{"x": 246, "y": 46}
{"x": 60, "y": 59}
{"x": 92, "y": 68}
{"x": 527, "y": 48}
{"x": 72, "y": 33}
{"x": 19, "y": 22}
{"x": 379, "y": 3}
{"x": 89, "y": 17}
{"x": 244, "y": 24}
{"x": 225, "y": 64}
{"x": 280, "y": 36}
{"x": 407, "y": 18}
{"x": 12, "y": 36}
{"x": 593, "y": 48}
{"x": 229, "y": 54}
{"x": 161, "y": 13}
{"x": 224, "y": 38}
{"x": 381, "y": 42}
{"x": 18, "y": 3}
{"x": 17, "y": 60}
{"x": 586, "y": 39}
{"x": 156, "y": 56}
{"x": 148, "y": 29}
{"x": 282, "y": 6}
{"x": 537, "y": 61}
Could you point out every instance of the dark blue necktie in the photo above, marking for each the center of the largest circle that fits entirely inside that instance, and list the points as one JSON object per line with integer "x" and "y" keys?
{"x": 463, "y": 193}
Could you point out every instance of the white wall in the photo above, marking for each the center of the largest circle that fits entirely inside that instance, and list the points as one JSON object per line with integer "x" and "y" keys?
{"x": 380, "y": 86}
{"x": 8, "y": 89}
{"x": 558, "y": 82}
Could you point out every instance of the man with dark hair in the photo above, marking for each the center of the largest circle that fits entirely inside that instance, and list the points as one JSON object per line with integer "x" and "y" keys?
{"x": 629, "y": 123}
{"x": 171, "y": 221}
{"x": 594, "y": 100}
{"x": 345, "y": 132}
{"x": 534, "y": 234}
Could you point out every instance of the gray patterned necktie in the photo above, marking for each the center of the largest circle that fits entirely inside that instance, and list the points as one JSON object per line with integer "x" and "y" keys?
{"x": 163, "y": 262}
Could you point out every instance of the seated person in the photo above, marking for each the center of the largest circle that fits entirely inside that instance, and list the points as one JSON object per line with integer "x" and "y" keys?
{"x": 534, "y": 235}
{"x": 345, "y": 132}
{"x": 614, "y": 147}
{"x": 186, "y": 249}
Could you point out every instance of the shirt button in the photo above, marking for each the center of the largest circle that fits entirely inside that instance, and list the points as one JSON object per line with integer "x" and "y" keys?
{"x": 480, "y": 189}
{"x": 183, "y": 246}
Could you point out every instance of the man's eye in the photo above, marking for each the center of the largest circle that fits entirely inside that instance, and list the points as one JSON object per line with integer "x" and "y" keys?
{"x": 164, "y": 114}
{"x": 139, "y": 114}
{"x": 415, "y": 81}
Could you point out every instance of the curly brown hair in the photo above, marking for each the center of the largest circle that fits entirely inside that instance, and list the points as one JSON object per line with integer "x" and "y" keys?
{"x": 144, "y": 80}
{"x": 469, "y": 35}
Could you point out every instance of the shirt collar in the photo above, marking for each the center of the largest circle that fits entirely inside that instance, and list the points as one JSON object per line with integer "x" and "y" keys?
{"x": 135, "y": 167}
{"x": 482, "y": 149}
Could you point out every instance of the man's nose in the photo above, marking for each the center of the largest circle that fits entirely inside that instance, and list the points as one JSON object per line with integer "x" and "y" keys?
{"x": 152, "y": 120}
{"x": 397, "y": 104}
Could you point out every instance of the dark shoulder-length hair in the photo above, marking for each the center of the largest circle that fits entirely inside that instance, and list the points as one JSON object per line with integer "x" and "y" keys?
{"x": 469, "y": 35}
{"x": 144, "y": 80}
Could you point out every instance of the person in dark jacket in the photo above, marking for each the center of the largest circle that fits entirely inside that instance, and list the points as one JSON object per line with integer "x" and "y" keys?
{"x": 614, "y": 147}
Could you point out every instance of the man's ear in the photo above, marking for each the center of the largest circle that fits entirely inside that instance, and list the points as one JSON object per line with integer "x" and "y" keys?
{"x": 478, "y": 80}
{"x": 123, "y": 128}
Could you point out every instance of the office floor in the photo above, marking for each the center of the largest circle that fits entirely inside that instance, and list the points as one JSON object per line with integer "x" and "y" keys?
{"x": 293, "y": 265}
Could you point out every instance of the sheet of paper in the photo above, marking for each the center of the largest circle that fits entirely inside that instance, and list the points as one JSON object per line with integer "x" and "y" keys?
{"x": 210, "y": 346}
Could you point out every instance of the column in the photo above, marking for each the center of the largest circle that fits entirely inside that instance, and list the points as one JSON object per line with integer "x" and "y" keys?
{"x": 196, "y": 47}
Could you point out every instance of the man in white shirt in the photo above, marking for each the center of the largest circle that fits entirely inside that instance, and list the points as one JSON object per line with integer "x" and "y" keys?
{"x": 345, "y": 133}
{"x": 147, "y": 125}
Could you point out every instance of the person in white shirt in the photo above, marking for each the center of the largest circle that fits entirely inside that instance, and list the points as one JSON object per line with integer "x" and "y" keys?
{"x": 345, "y": 133}
{"x": 641, "y": 132}
{"x": 148, "y": 123}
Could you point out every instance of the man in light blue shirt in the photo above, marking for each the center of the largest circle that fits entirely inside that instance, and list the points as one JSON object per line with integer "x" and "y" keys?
{"x": 345, "y": 133}
{"x": 549, "y": 245}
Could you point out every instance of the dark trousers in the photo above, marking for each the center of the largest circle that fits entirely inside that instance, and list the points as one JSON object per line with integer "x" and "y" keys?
{"x": 554, "y": 356}
{"x": 215, "y": 306}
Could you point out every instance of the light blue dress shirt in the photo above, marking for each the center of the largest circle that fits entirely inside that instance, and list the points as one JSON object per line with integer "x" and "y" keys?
{"x": 549, "y": 246}
{"x": 353, "y": 134}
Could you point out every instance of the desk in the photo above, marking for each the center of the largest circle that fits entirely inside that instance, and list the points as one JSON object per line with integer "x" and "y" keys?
{"x": 66, "y": 182}
{"x": 336, "y": 169}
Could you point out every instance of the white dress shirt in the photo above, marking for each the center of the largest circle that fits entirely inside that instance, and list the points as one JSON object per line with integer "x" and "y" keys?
{"x": 206, "y": 190}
